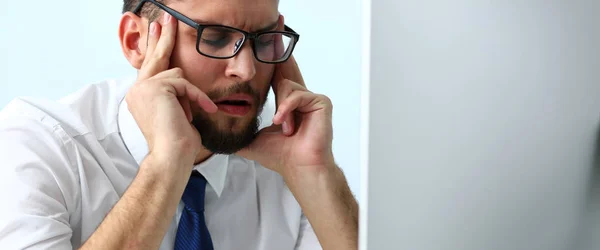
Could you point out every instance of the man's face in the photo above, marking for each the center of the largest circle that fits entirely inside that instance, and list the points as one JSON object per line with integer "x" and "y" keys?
{"x": 239, "y": 85}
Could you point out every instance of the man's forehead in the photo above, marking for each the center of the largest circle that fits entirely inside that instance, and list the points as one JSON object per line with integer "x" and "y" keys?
{"x": 249, "y": 15}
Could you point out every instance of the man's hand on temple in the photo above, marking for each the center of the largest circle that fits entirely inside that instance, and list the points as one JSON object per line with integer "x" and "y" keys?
{"x": 299, "y": 147}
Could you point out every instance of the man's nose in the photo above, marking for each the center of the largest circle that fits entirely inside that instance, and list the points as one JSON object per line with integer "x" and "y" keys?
{"x": 242, "y": 66}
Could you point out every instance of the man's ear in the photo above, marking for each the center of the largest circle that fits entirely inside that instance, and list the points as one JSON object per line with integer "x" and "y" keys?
{"x": 132, "y": 35}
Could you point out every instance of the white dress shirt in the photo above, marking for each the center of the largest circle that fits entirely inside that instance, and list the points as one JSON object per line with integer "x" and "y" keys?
{"x": 65, "y": 164}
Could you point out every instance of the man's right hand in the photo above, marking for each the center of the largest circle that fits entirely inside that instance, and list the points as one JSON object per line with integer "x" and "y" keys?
{"x": 160, "y": 102}
{"x": 160, "y": 99}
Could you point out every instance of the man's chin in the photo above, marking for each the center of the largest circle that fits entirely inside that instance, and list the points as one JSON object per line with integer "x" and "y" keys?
{"x": 227, "y": 144}
{"x": 227, "y": 136}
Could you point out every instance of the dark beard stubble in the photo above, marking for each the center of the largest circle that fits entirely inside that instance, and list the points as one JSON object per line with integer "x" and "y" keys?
{"x": 222, "y": 140}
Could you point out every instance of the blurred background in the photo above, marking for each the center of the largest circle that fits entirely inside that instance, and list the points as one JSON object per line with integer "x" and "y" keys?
{"x": 50, "y": 49}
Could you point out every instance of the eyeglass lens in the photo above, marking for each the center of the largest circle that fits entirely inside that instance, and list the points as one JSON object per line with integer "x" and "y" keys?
{"x": 225, "y": 42}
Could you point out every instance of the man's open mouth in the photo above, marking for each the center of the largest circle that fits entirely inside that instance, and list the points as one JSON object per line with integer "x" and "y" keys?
{"x": 234, "y": 102}
{"x": 235, "y": 105}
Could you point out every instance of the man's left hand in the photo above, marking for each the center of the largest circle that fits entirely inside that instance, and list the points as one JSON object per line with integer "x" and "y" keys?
{"x": 300, "y": 138}
{"x": 298, "y": 147}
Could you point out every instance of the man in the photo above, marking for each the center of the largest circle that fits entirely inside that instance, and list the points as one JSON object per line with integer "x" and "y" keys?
{"x": 173, "y": 159}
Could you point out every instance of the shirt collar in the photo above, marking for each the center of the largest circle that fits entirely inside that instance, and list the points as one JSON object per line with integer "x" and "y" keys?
{"x": 214, "y": 169}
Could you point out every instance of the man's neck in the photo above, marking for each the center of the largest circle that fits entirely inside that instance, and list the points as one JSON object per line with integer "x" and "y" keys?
{"x": 202, "y": 156}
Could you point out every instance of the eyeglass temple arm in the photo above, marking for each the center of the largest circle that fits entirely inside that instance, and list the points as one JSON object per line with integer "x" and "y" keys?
{"x": 138, "y": 8}
{"x": 172, "y": 12}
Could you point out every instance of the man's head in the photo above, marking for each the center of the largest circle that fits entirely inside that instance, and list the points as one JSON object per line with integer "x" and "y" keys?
{"x": 238, "y": 82}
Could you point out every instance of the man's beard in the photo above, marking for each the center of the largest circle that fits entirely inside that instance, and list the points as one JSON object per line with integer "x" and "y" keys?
{"x": 222, "y": 140}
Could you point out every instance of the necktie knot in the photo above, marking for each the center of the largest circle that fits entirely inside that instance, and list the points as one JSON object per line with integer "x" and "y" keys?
{"x": 193, "y": 196}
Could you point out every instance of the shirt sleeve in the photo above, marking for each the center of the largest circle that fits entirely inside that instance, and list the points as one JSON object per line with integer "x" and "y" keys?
{"x": 307, "y": 239}
{"x": 36, "y": 184}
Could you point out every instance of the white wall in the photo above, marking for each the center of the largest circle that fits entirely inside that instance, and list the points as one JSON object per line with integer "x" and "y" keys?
{"x": 484, "y": 119}
{"x": 50, "y": 49}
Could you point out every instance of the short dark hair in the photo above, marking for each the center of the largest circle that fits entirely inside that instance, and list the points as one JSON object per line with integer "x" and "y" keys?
{"x": 149, "y": 10}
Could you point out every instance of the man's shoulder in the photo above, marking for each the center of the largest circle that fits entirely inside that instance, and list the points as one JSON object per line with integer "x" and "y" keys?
{"x": 91, "y": 109}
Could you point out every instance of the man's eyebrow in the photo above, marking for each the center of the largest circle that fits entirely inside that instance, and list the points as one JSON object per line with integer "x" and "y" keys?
{"x": 269, "y": 27}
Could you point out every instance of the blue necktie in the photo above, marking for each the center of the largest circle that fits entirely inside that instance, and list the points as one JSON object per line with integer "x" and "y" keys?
{"x": 192, "y": 233}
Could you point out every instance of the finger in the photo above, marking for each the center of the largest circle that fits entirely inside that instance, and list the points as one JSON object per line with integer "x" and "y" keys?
{"x": 279, "y": 48}
{"x": 273, "y": 129}
{"x": 301, "y": 101}
{"x": 282, "y": 89}
{"x": 158, "y": 61}
{"x": 282, "y": 86}
{"x": 288, "y": 125}
{"x": 185, "y": 104}
{"x": 170, "y": 74}
{"x": 153, "y": 35}
{"x": 290, "y": 70}
{"x": 277, "y": 83}
{"x": 282, "y": 77}
{"x": 182, "y": 88}
{"x": 285, "y": 88}
{"x": 255, "y": 151}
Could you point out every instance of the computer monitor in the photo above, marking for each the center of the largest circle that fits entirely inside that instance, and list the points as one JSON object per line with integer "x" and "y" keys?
{"x": 482, "y": 125}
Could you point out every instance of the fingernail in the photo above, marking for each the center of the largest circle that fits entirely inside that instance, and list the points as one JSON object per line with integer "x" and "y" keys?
{"x": 167, "y": 17}
{"x": 286, "y": 128}
{"x": 152, "y": 28}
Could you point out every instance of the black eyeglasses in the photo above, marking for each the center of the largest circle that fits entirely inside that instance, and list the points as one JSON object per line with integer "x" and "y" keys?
{"x": 223, "y": 42}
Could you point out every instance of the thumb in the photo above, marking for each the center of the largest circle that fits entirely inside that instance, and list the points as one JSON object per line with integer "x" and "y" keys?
{"x": 273, "y": 129}
{"x": 264, "y": 147}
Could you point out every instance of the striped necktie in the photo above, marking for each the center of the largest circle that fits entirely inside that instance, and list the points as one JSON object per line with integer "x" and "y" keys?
{"x": 192, "y": 233}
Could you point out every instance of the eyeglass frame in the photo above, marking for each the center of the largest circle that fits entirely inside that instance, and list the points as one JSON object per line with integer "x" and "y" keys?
{"x": 247, "y": 35}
